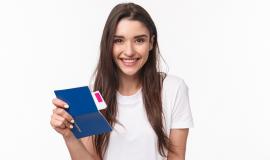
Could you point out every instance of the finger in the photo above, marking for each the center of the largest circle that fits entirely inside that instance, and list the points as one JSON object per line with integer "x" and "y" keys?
{"x": 68, "y": 125}
{"x": 57, "y": 124}
{"x": 60, "y": 122}
{"x": 59, "y": 103}
{"x": 63, "y": 113}
{"x": 63, "y": 120}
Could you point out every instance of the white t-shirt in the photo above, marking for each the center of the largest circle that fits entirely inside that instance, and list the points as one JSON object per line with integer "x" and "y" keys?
{"x": 136, "y": 139}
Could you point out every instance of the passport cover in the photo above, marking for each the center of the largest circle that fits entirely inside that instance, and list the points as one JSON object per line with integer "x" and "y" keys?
{"x": 82, "y": 107}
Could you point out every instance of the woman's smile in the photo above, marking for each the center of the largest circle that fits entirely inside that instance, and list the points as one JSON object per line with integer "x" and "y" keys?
{"x": 129, "y": 62}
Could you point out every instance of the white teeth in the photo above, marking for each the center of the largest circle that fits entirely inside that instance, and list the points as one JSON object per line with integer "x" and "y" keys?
{"x": 129, "y": 60}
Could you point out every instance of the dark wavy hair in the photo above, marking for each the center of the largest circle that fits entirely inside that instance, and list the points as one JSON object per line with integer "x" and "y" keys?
{"x": 151, "y": 78}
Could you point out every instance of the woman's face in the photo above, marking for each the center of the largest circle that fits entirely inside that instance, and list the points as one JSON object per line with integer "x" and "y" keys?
{"x": 131, "y": 46}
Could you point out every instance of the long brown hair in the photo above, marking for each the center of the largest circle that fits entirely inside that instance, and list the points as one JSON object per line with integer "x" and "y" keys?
{"x": 107, "y": 80}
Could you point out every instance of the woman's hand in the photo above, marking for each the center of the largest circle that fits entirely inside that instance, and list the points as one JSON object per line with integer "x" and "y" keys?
{"x": 61, "y": 121}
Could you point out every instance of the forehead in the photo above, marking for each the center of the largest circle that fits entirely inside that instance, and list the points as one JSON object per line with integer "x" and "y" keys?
{"x": 130, "y": 28}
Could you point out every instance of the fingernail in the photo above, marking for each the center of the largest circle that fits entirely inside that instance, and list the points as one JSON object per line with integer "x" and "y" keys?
{"x": 72, "y": 121}
{"x": 66, "y": 106}
{"x": 71, "y": 126}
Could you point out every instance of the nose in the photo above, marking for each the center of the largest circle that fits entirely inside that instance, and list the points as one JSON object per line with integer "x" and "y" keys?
{"x": 129, "y": 49}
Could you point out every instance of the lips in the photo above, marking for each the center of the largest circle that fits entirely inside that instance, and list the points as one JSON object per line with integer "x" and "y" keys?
{"x": 129, "y": 61}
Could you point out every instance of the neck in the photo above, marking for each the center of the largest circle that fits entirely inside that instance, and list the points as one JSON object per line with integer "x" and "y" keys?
{"x": 129, "y": 85}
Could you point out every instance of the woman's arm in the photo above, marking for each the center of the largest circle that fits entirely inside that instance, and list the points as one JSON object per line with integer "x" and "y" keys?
{"x": 62, "y": 121}
{"x": 178, "y": 138}
{"x": 80, "y": 149}
{"x": 88, "y": 144}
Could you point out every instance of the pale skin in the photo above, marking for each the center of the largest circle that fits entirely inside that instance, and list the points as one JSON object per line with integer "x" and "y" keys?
{"x": 132, "y": 42}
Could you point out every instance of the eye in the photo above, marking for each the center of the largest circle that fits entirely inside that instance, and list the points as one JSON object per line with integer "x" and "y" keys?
{"x": 117, "y": 40}
{"x": 140, "y": 40}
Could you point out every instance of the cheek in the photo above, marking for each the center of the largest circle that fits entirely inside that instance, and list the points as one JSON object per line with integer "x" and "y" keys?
{"x": 143, "y": 50}
{"x": 115, "y": 51}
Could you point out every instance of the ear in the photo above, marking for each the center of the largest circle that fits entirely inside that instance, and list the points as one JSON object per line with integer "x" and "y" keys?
{"x": 151, "y": 42}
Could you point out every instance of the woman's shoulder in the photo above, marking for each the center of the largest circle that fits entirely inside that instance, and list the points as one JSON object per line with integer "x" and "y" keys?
{"x": 173, "y": 81}
{"x": 173, "y": 86}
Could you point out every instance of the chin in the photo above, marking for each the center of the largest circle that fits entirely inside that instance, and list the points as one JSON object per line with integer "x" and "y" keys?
{"x": 129, "y": 73}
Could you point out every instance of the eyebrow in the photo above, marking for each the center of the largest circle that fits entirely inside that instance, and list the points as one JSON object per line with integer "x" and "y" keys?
{"x": 138, "y": 36}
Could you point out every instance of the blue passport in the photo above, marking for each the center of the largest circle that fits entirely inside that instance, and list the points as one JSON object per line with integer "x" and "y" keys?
{"x": 82, "y": 107}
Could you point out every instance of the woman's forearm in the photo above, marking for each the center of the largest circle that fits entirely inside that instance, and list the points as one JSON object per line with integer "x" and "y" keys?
{"x": 178, "y": 155}
{"x": 77, "y": 150}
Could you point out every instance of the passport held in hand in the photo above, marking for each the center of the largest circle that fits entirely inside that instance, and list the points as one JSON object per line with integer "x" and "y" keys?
{"x": 84, "y": 107}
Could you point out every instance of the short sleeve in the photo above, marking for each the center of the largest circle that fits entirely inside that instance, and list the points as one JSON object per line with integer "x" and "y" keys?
{"x": 181, "y": 111}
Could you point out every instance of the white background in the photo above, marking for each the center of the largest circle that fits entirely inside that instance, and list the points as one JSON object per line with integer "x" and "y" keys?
{"x": 219, "y": 47}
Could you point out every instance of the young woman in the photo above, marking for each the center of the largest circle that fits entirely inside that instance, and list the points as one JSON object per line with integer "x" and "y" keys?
{"x": 149, "y": 110}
